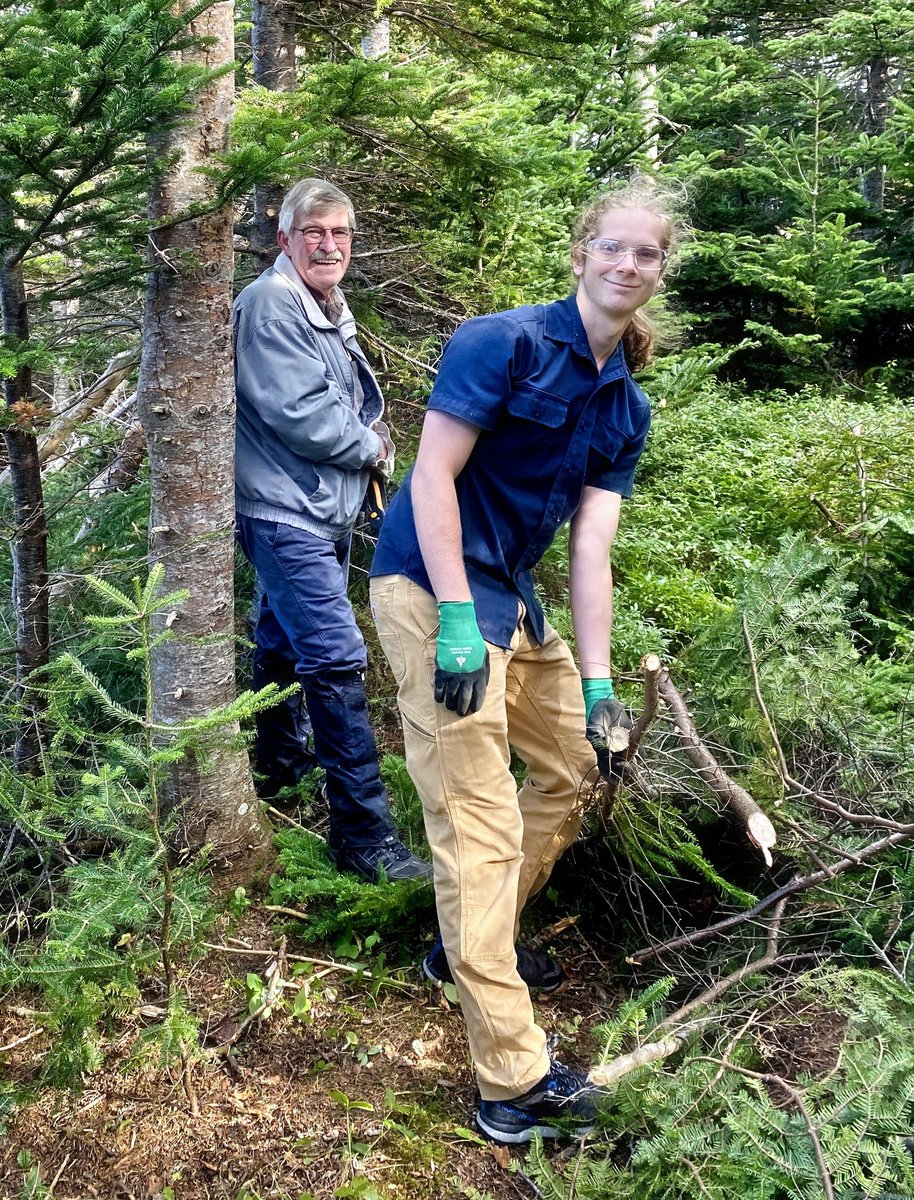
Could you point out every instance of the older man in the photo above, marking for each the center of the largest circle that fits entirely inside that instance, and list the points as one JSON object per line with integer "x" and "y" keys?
{"x": 309, "y": 430}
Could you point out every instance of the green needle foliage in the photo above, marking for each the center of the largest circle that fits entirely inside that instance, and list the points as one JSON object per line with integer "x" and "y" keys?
{"x": 123, "y": 906}
{"x": 694, "y": 1126}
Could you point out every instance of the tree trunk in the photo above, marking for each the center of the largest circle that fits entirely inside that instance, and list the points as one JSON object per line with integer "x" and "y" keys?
{"x": 273, "y": 45}
{"x": 878, "y": 102}
{"x": 187, "y": 406}
{"x": 647, "y": 82}
{"x": 29, "y": 541}
{"x": 376, "y": 41}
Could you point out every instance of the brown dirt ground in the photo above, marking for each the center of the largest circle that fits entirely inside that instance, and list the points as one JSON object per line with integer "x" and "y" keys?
{"x": 269, "y": 1126}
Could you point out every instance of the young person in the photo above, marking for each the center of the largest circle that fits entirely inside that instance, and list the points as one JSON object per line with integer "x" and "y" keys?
{"x": 534, "y": 421}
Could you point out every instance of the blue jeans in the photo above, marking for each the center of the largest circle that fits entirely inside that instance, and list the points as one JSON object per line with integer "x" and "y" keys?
{"x": 306, "y": 626}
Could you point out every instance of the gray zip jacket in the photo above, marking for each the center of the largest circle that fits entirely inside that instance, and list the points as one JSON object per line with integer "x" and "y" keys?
{"x": 301, "y": 448}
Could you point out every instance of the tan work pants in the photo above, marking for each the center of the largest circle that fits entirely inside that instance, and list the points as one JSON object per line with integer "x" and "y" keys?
{"x": 492, "y": 844}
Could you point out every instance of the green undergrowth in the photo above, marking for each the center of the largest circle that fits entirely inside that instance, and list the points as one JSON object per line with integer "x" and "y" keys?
{"x": 104, "y": 906}
{"x": 339, "y": 904}
{"x": 725, "y": 1116}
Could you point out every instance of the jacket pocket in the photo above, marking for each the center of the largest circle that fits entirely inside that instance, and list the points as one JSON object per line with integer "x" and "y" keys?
{"x": 606, "y": 440}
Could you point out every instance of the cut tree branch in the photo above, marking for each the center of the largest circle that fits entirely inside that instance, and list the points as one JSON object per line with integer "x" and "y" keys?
{"x": 759, "y": 828}
{"x": 650, "y": 669}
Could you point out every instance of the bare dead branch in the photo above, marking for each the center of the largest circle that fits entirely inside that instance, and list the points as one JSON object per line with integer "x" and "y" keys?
{"x": 769, "y": 959}
{"x": 92, "y": 397}
{"x": 759, "y": 828}
{"x": 799, "y": 883}
{"x": 837, "y": 525}
{"x": 606, "y": 1073}
{"x": 650, "y": 669}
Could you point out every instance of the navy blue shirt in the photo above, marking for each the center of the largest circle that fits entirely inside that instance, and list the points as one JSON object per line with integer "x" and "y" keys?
{"x": 550, "y": 424}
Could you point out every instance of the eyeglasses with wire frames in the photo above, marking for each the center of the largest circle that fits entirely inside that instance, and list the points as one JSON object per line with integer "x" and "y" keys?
{"x": 313, "y": 235}
{"x": 608, "y": 250}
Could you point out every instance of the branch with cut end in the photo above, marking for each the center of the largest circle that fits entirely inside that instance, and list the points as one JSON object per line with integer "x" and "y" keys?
{"x": 604, "y": 1074}
{"x": 759, "y": 828}
{"x": 650, "y": 670}
{"x": 625, "y": 742}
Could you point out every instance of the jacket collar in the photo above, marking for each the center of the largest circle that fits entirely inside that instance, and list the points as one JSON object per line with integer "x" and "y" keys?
{"x": 286, "y": 268}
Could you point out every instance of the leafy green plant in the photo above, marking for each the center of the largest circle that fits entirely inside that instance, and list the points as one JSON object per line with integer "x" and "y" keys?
{"x": 339, "y": 903}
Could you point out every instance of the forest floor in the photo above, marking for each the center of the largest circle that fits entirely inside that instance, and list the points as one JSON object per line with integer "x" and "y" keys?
{"x": 368, "y": 1094}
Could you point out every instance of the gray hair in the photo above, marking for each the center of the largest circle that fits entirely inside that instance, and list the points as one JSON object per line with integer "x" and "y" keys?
{"x": 313, "y": 196}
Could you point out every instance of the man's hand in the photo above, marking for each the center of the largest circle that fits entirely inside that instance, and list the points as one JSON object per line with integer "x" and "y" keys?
{"x": 608, "y": 728}
{"x": 385, "y": 463}
{"x": 461, "y": 659}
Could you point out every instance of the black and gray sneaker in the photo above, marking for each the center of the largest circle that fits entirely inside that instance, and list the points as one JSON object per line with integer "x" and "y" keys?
{"x": 561, "y": 1105}
{"x": 391, "y": 860}
{"x": 540, "y": 972}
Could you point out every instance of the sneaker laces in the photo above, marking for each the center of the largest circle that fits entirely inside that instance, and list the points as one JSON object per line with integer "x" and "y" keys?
{"x": 567, "y": 1083}
{"x": 393, "y": 850}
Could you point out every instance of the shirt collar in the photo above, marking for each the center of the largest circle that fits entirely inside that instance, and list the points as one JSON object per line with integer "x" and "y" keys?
{"x": 563, "y": 324}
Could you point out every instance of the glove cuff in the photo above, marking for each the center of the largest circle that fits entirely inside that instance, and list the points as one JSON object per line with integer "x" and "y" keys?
{"x": 460, "y": 645}
{"x": 596, "y": 690}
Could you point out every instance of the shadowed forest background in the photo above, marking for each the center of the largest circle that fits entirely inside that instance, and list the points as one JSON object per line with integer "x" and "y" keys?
{"x": 195, "y": 1002}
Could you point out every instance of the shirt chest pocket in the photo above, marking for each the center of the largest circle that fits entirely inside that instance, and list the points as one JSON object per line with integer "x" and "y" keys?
{"x": 606, "y": 441}
{"x": 535, "y": 405}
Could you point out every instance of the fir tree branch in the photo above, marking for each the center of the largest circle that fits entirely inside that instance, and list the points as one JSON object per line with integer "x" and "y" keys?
{"x": 797, "y": 1098}
{"x": 799, "y": 883}
{"x": 793, "y": 784}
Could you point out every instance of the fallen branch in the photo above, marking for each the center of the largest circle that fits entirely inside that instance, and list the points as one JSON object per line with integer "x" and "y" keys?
{"x": 769, "y": 959}
{"x": 327, "y": 964}
{"x": 607, "y": 1073}
{"x": 123, "y": 470}
{"x": 760, "y": 830}
{"x": 799, "y": 883}
{"x": 117, "y": 370}
{"x": 26, "y": 1037}
{"x": 797, "y": 1098}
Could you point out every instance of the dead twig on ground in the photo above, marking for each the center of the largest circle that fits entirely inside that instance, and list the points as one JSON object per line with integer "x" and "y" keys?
{"x": 328, "y": 964}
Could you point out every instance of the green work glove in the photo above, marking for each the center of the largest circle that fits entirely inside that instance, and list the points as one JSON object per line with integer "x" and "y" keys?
{"x": 608, "y": 727}
{"x": 461, "y": 658}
